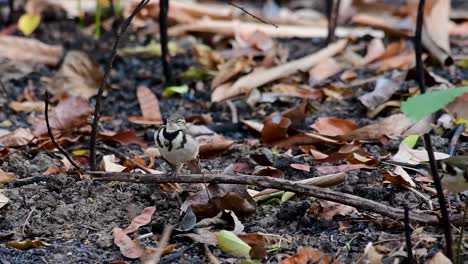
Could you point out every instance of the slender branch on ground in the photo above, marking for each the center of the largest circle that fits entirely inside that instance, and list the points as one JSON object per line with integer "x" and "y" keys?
{"x": 427, "y": 137}
{"x": 166, "y": 56}
{"x": 252, "y": 15}
{"x": 274, "y": 183}
{"x": 51, "y": 135}
{"x": 409, "y": 247}
{"x": 456, "y": 136}
{"x": 97, "y": 110}
{"x": 333, "y": 10}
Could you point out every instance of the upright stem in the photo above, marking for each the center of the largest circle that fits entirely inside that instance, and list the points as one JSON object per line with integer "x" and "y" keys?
{"x": 332, "y": 9}
{"x": 427, "y": 137}
{"x": 164, "y": 9}
{"x": 11, "y": 7}
{"x": 409, "y": 246}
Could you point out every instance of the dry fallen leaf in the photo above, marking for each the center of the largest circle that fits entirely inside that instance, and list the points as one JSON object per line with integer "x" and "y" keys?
{"x": 79, "y": 75}
{"x": 128, "y": 247}
{"x": 275, "y": 128}
{"x": 19, "y": 137}
{"x": 327, "y": 210}
{"x": 6, "y": 177}
{"x": 149, "y": 105}
{"x": 392, "y": 126}
{"x": 142, "y": 219}
{"x": 375, "y": 49}
{"x": 109, "y": 164}
{"x": 211, "y": 146}
{"x": 458, "y": 107}
{"x": 3, "y": 200}
{"x": 255, "y": 79}
{"x": 331, "y": 126}
{"x": 230, "y": 69}
{"x": 27, "y": 106}
{"x": 69, "y": 115}
{"x": 256, "y": 39}
{"x": 323, "y": 70}
{"x": 29, "y": 50}
{"x": 309, "y": 255}
{"x": 399, "y": 177}
{"x": 438, "y": 258}
{"x": 122, "y": 137}
{"x": 383, "y": 91}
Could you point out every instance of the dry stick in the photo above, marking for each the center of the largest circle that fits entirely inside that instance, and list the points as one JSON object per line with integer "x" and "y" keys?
{"x": 97, "y": 110}
{"x": 333, "y": 10}
{"x": 51, "y": 135}
{"x": 409, "y": 247}
{"x": 252, "y": 15}
{"x": 164, "y": 10}
{"x": 270, "y": 182}
{"x": 427, "y": 137}
{"x": 456, "y": 135}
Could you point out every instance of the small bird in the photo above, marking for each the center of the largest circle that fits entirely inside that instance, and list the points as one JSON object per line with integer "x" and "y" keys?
{"x": 453, "y": 172}
{"x": 177, "y": 146}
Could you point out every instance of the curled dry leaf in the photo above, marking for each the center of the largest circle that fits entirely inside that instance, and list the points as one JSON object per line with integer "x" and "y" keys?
{"x": 298, "y": 114}
{"x": 70, "y": 114}
{"x": 406, "y": 154}
{"x": 143, "y": 219}
{"x": 109, "y": 164}
{"x": 437, "y": 24}
{"x": 275, "y": 128}
{"x": 397, "y": 55}
{"x": 19, "y": 137}
{"x": 3, "y": 200}
{"x": 230, "y": 69}
{"x": 268, "y": 171}
{"x": 128, "y": 247}
{"x": 399, "y": 177}
{"x": 375, "y": 49}
{"x": 211, "y": 146}
{"x": 29, "y": 50}
{"x": 6, "y": 177}
{"x": 331, "y": 126}
{"x": 309, "y": 255}
{"x": 122, "y": 137}
{"x": 327, "y": 210}
{"x": 392, "y": 126}
{"x": 149, "y": 105}
{"x": 323, "y": 70}
{"x": 383, "y": 91}
{"x": 79, "y": 75}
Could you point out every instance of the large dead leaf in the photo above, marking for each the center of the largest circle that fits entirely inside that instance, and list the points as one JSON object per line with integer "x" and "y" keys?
{"x": 29, "y": 50}
{"x": 327, "y": 210}
{"x": 255, "y": 79}
{"x": 383, "y": 91}
{"x": 109, "y": 164}
{"x": 27, "y": 106}
{"x": 323, "y": 70}
{"x": 128, "y": 247}
{"x": 223, "y": 197}
{"x": 438, "y": 258}
{"x": 69, "y": 115}
{"x": 281, "y": 89}
{"x": 231, "y": 68}
{"x": 406, "y": 154}
{"x": 149, "y": 105}
{"x": 392, "y": 126}
{"x": 3, "y": 200}
{"x": 211, "y": 146}
{"x": 331, "y": 126}
{"x": 6, "y": 177}
{"x": 375, "y": 49}
{"x": 79, "y": 75}
{"x": 399, "y": 177}
{"x": 19, "y": 137}
{"x": 275, "y": 128}
{"x": 122, "y": 137}
{"x": 397, "y": 55}
{"x": 458, "y": 107}
{"x": 437, "y": 23}
{"x": 256, "y": 39}
{"x": 142, "y": 219}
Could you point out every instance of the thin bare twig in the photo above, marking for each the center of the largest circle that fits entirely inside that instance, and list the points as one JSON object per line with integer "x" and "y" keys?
{"x": 409, "y": 247}
{"x": 427, "y": 137}
{"x": 51, "y": 135}
{"x": 97, "y": 110}
{"x": 456, "y": 136}
{"x": 333, "y": 10}
{"x": 252, "y": 15}
{"x": 163, "y": 11}
{"x": 270, "y": 182}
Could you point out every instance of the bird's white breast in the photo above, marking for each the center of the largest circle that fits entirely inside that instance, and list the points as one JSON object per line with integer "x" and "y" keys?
{"x": 178, "y": 150}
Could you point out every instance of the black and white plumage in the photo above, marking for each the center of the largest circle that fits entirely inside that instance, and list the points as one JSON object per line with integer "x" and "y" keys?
{"x": 176, "y": 145}
{"x": 453, "y": 172}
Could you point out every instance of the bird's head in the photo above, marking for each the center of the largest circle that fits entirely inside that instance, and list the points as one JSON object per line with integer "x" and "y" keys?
{"x": 176, "y": 122}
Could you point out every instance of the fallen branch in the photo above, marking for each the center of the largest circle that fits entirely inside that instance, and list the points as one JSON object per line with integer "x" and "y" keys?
{"x": 274, "y": 183}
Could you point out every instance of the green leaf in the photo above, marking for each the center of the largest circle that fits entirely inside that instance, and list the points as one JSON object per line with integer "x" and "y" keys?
{"x": 231, "y": 244}
{"x": 420, "y": 106}
{"x": 152, "y": 49}
{"x": 286, "y": 196}
{"x": 28, "y": 23}
{"x": 411, "y": 140}
{"x": 195, "y": 73}
{"x": 172, "y": 90}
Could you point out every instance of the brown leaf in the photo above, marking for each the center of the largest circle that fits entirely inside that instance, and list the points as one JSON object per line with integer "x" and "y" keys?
{"x": 79, "y": 75}
{"x": 302, "y": 167}
{"x": 122, "y": 137}
{"x": 437, "y": 23}
{"x": 327, "y": 210}
{"x": 29, "y": 50}
{"x": 109, "y": 164}
{"x": 399, "y": 55}
{"x": 128, "y": 247}
{"x": 275, "y": 128}
{"x": 438, "y": 258}
{"x": 256, "y": 39}
{"x": 282, "y": 89}
{"x": 140, "y": 220}
{"x": 19, "y": 137}
{"x": 149, "y": 105}
{"x": 323, "y": 70}
{"x": 342, "y": 168}
{"x": 268, "y": 171}
{"x": 383, "y": 91}
{"x": 211, "y": 146}
{"x": 392, "y": 126}
{"x": 230, "y": 69}
{"x": 309, "y": 255}
{"x": 375, "y": 49}
{"x": 331, "y": 126}
{"x": 27, "y": 106}
{"x": 69, "y": 115}
{"x": 298, "y": 114}
{"x": 223, "y": 197}
{"x": 6, "y": 177}
{"x": 399, "y": 177}
{"x": 458, "y": 107}
{"x": 255, "y": 79}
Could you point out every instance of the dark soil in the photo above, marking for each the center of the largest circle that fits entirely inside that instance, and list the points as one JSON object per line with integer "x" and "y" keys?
{"x": 76, "y": 216}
